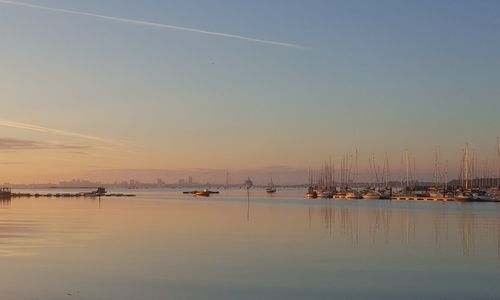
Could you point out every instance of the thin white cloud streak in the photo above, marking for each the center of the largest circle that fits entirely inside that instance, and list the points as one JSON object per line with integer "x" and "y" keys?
{"x": 52, "y": 131}
{"x": 152, "y": 24}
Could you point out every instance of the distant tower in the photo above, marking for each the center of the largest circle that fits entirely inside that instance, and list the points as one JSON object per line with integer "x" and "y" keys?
{"x": 190, "y": 180}
{"x": 227, "y": 179}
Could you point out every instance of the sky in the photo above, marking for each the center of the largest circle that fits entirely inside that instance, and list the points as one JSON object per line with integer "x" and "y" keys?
{"x": 115, "y": 89}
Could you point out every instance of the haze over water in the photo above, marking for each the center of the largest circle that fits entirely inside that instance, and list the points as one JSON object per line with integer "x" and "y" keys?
{"x": 137, "y": 94}
{"x": 165, "y": 245}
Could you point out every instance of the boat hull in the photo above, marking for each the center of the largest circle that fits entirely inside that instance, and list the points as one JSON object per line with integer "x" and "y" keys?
{"x": 312, "y": 195}
{"x": 5, "y": 195}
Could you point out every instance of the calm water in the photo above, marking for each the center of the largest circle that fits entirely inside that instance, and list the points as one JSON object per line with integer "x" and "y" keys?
{"x": 165, "y": 245}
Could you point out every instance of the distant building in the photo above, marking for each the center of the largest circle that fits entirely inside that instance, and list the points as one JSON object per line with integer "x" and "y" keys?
{"x": 182, "y": 181}
{"x": 160, "y": 182}
{"x": 190, "y": 180}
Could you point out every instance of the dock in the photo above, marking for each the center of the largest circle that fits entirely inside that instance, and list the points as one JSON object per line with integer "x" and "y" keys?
{"x": 66, "y": 195}
{"x": 419, "y": 198}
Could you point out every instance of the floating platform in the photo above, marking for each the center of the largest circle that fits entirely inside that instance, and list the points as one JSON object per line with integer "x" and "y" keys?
{"x": 194, "y": 192}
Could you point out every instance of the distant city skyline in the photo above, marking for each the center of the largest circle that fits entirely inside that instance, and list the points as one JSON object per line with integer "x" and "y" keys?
{"x": 103, "y": 89}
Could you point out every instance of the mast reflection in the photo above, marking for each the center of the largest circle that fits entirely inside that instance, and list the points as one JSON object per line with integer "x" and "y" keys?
{"x": 445, "y": 227}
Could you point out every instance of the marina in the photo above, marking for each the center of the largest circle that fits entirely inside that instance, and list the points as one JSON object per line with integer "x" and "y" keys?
{"x": 469, "y": 187}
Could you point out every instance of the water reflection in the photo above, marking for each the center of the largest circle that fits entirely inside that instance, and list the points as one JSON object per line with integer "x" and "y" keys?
{"x": 168, "y": 245}
{"x": 498, "y": 237}
{"x": 4, "y": 202}
{"x": 447, "y": 228}
{"x": 408, "y": 227}
{"x": 380, "y": 220}
{"x": 440, "y": 223}
{"x": 467, "y": 229}
{"x": 31, "y": 224}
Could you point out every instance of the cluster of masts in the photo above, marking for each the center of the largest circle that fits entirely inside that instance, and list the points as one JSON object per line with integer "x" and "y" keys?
{"x": 322, "y": 184}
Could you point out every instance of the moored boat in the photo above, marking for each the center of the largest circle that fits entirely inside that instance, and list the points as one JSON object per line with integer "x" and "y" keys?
{"x": 97, "y": 193}
{"x": 203, "y": 193}
{"x": 326, "y": 194}
{"x": 311, "y": 193}
{"x": 352, "y": 195}
{"x": 463, "y": 196}
{"x": 270, "y": 189}
{"x": 371, "y": 195}
{"x": 5, "y": 192}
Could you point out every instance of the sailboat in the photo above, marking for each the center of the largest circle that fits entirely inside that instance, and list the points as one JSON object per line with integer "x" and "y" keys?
{"x": 496, "y": 190}
{"x": 385, "y": 189}
{"x": 370, "y": 193}
{"x": 408, "y": 180}
{"x": 311, "y": 193}
{"x": 270, "y": 189}
{"x": 326, "y": 186}
{"x": 351, "y": 193}
{"x": 465, "y": 193}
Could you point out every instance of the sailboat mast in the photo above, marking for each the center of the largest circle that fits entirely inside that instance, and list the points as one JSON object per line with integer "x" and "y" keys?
{"x": 466, "y": 166}
{"x": 356, "y": 167}
{"x": 435, "y": 174}
{"x": 407, "y": 169}
{"x": 446, "y": 177}
{"x": 498, "y": 163}
{"x": 387, "y": 171}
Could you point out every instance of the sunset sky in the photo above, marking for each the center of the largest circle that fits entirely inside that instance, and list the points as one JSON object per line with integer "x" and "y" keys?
{"x": 102, "y": 89}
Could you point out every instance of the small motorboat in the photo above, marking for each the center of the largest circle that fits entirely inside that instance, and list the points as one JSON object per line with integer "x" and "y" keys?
{"x": 204, "y": 193}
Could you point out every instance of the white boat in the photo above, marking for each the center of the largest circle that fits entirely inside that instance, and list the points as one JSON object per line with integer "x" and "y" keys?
{"x": 463, "y": 196}
{"x": 324, "y": 194}
{"x": 270, "y": 189}
{"x": 352, "y": 195}
{"x": 435, "y": 192}
{"x": 371, "y": 195}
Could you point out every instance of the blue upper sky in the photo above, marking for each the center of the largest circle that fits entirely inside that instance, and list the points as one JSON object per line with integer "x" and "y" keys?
{"x": 374, "y": 75}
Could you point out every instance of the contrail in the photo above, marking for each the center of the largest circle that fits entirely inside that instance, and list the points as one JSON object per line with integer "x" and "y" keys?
{"x": 32, "y": 127}
{"x": 151, "y": 24}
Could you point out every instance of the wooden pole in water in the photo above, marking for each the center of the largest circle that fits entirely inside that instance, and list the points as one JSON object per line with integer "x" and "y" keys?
{"x": 248, "y": 204}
